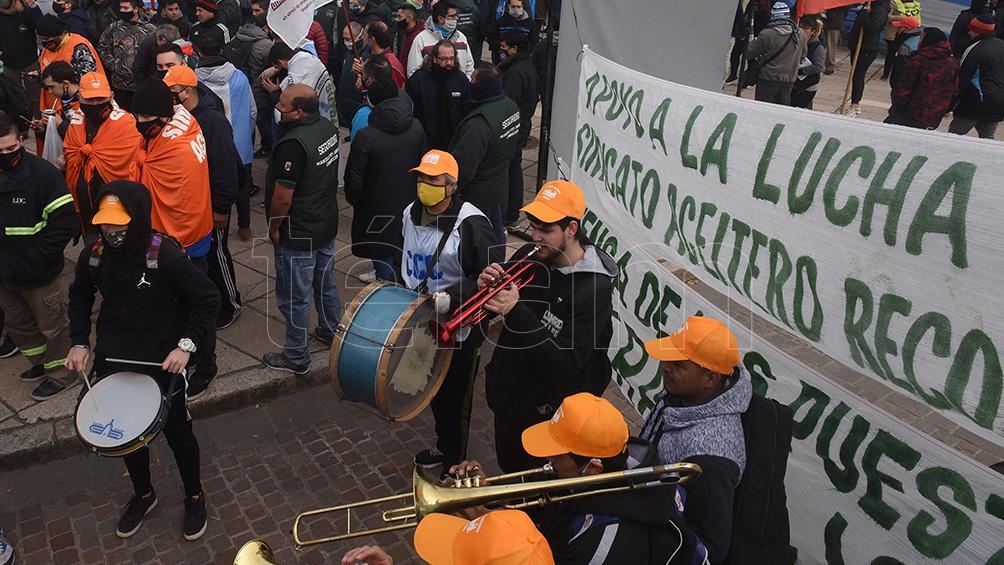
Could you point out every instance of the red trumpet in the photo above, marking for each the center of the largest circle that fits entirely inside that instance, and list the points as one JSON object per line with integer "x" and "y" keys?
{"x": 472, "y": 311}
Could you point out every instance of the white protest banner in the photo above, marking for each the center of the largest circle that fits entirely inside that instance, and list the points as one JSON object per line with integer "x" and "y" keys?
{"x": 290, "y": 19}
{"x": 876, "y": 244}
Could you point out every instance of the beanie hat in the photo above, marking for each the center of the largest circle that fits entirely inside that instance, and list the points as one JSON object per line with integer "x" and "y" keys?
{"x": 50, "y": 26}
{"x": 932, "y": 35}
{"x": 153, "y": 98}
{"x": 982, "y": 24}
{"x": 208, "y": 5}
{"x": 380, "y": 90}
{"x": 780, "y": 10}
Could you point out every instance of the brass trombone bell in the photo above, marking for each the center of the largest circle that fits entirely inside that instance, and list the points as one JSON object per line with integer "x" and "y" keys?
{"x": 255, "y": 552}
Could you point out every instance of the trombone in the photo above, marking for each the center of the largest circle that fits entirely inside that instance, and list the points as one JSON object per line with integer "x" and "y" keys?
{"x": 428, "y": 497}
{"x": 472, "y": 311}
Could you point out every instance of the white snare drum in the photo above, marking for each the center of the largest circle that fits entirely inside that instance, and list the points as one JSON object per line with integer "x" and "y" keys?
{"x": 121, "y": 413}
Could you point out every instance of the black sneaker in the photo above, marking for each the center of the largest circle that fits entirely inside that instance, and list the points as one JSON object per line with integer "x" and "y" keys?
{"x": 429, "y": 458}
{"x": 195, "y": 517}
{"x": 279, "y": 362}
{"x": 47, "y": 389}
{"x": 36, "y": 373}
{"x": 7, "y": 346}
{"x": 324, "y": 336}
{"x": 196, "y": 387}
{"x": 132, "y": 517}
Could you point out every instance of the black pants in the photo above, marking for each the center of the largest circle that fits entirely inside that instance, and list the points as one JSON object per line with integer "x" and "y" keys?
{"x": 123, "y": 98}
{"x": 515, "y": 200}
{"x": 244, "y": 199}
{"x": 509, "y": 442}
{"x": 802, "y": 98}
{"x": 738, "y": 48}
{"x": 451, "y": 407}
{"x": 265, "y": 126}
{"x": 891, "y": 51}
{"x": 865, "y": 60}
{"x": 181, "y": 439}
{"x": 221, "y": 271}
{"x": 205, "y": 353}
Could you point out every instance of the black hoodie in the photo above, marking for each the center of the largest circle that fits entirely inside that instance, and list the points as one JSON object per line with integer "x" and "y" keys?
{"x": 225, "y": 168}
{"x": 637, "y": 527}
{"x": 144, "y": 311}
{"x": 378, "y": 181}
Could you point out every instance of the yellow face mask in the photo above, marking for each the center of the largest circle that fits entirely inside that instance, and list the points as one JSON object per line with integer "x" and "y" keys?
{"x": 431, "y": 194}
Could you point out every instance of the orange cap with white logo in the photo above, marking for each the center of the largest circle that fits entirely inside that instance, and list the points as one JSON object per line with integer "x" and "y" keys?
{"x": 436, "y": 162}
{"x": 584, "y": 424}
{"x": 94, "y": 85}
{"x": 557, "y": 200}
{"x": 501, "y": 537}
{"x": 705, "y": 341}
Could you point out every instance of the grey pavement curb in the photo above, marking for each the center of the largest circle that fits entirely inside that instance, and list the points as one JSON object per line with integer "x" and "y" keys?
{"x": 46, "y": 441}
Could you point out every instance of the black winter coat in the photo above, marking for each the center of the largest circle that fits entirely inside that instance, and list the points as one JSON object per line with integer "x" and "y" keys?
{"x": 440, "y": 103}
{"x": 37, "y": 220}
{"x": 871, "y": 23}
{"x": 18, "y": 41}
{"x": 226, "y": 171}
{"x": 981, "y": 81}
{"x": 378, "y": 183}
{"x": 99, "y": 17}
{"x": 140, "y": 321}
{"x": 959, "y": 36}
{"x": 519, "y": 82}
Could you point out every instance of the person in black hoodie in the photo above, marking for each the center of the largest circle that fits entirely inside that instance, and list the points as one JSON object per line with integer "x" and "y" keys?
{"x": 378, "y": 183}
{"x": 556, "y": 329}
{"x": 981, "y": 82}
{"x": 73, "y": 16}
{"x": 440, "y": 93}
{"x": 156, "y": 304}
{"x": 226, "y": 174}
{"x": 519, "y": 82}
{"x": 868, "y": 26}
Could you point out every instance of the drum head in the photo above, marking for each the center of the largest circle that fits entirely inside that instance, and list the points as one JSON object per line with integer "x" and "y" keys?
{"x": 412, "y": 371}
{"x": 118, "y": 410}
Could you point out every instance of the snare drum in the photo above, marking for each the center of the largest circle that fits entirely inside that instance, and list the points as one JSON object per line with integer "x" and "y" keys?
{"x": 383, "y": 354}
{"x": 121, "y": 413}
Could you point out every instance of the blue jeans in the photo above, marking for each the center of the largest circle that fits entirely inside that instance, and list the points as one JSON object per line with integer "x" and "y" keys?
{"x": 299, "y": 273}
{"x": 384, "y": 269}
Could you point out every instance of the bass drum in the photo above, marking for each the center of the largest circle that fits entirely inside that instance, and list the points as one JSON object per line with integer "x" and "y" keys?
{"x": 383, "y": 353}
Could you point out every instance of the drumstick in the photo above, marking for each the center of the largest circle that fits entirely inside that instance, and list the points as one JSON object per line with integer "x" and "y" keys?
{"x": 132, "y": 362}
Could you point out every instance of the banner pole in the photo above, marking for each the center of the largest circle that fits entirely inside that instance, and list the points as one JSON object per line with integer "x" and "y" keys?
{"x": 854, "y": 66}
{"x": 348, "y": 24}
{"x": 547, "y": 94}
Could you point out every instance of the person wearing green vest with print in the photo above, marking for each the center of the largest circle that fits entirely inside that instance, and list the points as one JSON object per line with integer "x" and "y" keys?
{"x": 484, "y": 143}
{"x": 302, "y": 217}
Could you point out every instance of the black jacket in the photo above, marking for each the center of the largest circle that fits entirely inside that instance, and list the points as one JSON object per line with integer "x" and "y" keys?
{"x": 144, "y": 65}
{"x": 76, "y": 22}
{"x": 440, "y": 103}
{"x": 637, "y": 527}
{"x": 37, "y": 220}
{"x": 225, "y": 167}
{"x": 99, "y": 17}
{"x": 497, "y": 28}
{"x": 959, "y": 36}
{"x": 140, "y": 321}
{"x": 554, "y": 341}
{"x": 17, "y": 39}
{"x": 981, "y": 81}
{"x": 871, "y": 23}
{"x": 519, "y": 82}
{"x": 378, "y": 183}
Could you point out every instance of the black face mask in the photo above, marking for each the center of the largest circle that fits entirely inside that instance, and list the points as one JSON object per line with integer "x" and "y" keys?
{"x": 126, "y": 16}
{"x": 52, "y": 45}
{"x": 115, "y": 239}
{"x": 402, "y": 24}
{"x": 151, "y": 129}
{"x": 10, "y": 161}
{"x": 96, "y": 113}
{"x": 162, "y": 74}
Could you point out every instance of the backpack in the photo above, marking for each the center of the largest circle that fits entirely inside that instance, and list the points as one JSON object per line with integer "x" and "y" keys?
{"x": 152, "y": 252}
{"x": 238, "y": 53}
{"x": 760, "y": 527}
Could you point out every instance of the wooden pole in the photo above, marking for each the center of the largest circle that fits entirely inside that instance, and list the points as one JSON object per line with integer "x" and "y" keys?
{"x": 854, "y": 63}
{"x": 348, "y": 24}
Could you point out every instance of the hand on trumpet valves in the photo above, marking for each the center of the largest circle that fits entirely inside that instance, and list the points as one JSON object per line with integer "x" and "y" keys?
{"x": 490, "y": 276}
{"x": 466, "y": 470}
{"x": 503, "y": 301}
{"x": 441, "y": 302}
{"x": 367, "y": 555}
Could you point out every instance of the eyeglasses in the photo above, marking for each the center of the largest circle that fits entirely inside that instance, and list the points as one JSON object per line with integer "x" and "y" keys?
{"x": 445, "y": 59}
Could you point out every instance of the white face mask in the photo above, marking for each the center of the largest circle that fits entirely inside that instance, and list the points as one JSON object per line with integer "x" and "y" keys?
{"x": 277, "y": 115}
{"x": 449, "y": 26}
{"x": 517, "y": 13}
{"x": 348, "y": 44}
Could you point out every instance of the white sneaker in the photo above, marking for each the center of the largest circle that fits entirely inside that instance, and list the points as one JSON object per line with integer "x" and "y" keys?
{"x": 852, "y": 112}
{"x": 367, "y": 277}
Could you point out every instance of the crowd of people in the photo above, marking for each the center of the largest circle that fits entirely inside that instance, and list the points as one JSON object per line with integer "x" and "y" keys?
{"x": 146, "y": 126}
{"x": 930, "y": 73}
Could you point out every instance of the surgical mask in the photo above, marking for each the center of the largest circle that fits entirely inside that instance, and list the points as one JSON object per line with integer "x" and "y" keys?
{"x": 431, "y": 194}
{"x": 448, "y": 27}
{"x": 96, "y": 113}
{"x": 277, "y": 115}
{"x": 355, "y": 9}
{"x": 150, "y": 129}
{"x": 116, "y": 238}
{"x": 347, "y": 44}
{"x": 517, "y": 13}
{"x": 10, "y": 161}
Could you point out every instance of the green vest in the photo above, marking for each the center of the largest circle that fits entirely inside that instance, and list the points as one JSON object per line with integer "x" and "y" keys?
{"x": 490, "y": 185}
{"x": 313, "y": 215}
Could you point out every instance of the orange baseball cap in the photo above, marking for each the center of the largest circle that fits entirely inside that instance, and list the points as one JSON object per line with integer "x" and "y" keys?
{"x": 436, "y": 162}
{"x": 94, "y": 85}
{"x": 181, "y": 75}
{"x": 501, "y": 537}
{"x": 909, "y": 22}
{"x": 557, "y": 200}
{"x": 584, "y": 424}
{"x": 705, "y": 341}
{"x": 111, "y": 211}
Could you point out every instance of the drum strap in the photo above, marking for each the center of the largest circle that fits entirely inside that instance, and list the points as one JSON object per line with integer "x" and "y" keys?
{"x": 423, "y": 287}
